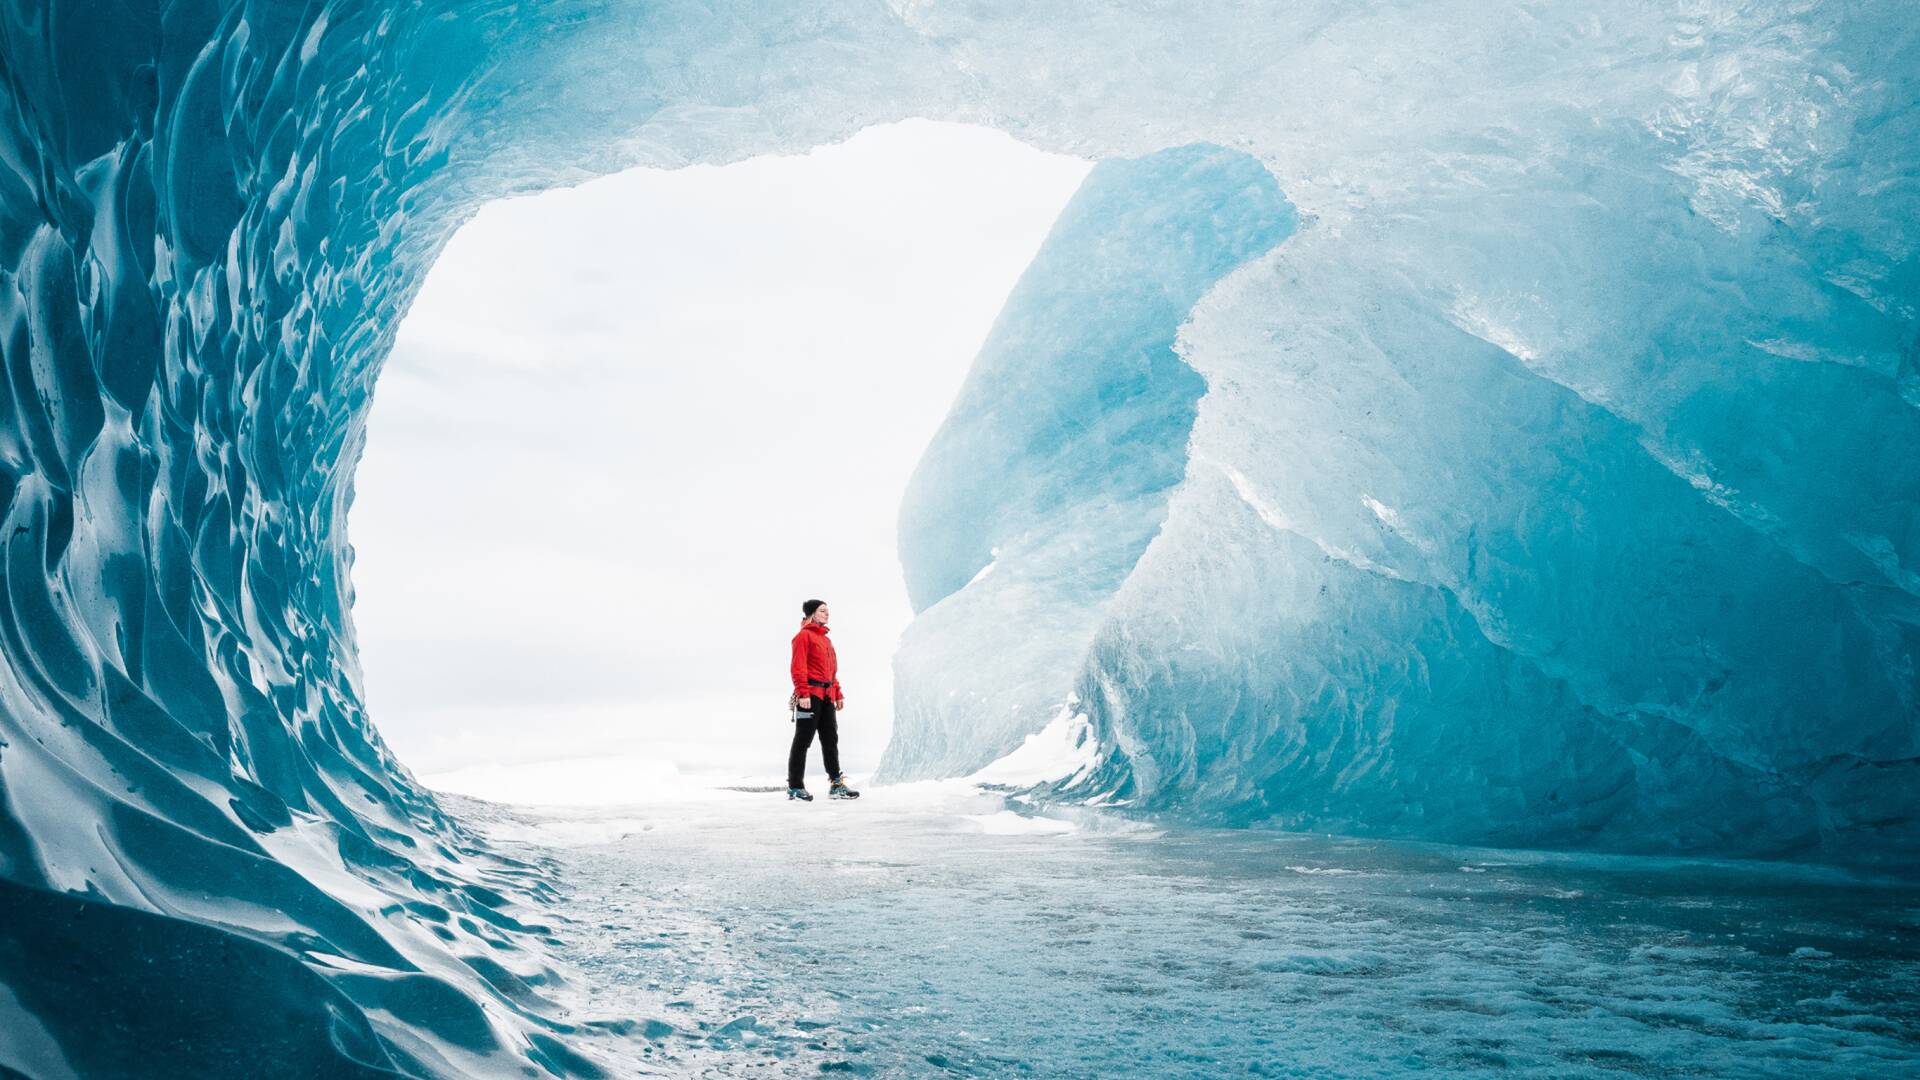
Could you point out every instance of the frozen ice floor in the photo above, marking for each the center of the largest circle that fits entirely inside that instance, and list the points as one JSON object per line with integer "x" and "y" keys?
{"x": 928, "y": 930}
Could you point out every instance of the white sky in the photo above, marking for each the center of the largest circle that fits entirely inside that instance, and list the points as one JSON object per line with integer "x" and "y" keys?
{"x": 627, "y": 427}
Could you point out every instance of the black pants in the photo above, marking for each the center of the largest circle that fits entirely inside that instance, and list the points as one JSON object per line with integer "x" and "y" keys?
{"x": 824, "y": 719}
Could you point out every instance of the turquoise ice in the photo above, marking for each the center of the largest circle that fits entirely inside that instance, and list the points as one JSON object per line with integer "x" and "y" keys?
{"x": 1051, "y": 475}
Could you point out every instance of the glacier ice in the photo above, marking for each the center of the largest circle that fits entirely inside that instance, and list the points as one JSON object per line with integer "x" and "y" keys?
{"x": 1556, "y": 488}
{"x": 1050, "y": 475}
{"x": 1057, "y": 942}
{"x": 1552, "y": 481}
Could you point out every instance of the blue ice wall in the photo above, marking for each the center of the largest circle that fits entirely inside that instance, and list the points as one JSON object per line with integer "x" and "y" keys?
{"x": 1554, "y": 481}
{"x": 213, "y": 216}
{"x": 1050, "y": 475}
{"x": 212, "y": 866}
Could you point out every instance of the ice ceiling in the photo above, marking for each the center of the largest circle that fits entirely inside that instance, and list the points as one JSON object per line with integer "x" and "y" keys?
{"x": 1549, "y": 478}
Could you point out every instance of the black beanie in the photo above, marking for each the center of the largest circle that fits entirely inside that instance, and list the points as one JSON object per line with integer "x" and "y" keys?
{"x": 810, "y": 607}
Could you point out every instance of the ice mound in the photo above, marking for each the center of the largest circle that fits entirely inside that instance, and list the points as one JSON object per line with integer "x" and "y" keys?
{"x": 1553, "y": 482}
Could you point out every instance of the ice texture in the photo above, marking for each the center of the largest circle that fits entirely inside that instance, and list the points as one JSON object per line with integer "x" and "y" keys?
{"x": 1050, "y": 475}
{"x": 1553, "y": 482}
{"x": 993, "y": 938}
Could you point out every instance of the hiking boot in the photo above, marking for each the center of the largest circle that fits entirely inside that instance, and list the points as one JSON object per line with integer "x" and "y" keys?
{"x": 799, "y": 793}
{"x": 840, "y": 790}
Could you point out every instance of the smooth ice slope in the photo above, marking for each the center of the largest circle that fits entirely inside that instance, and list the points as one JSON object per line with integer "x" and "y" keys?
{"x": 1554, "y": 482}
{"x": 1050, "y": 476}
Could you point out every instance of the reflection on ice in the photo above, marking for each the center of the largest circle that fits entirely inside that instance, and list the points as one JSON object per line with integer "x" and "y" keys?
{"x": 940, "y": 929}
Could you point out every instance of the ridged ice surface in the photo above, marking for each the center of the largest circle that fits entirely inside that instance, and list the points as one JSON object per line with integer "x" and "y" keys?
{"x": 1050, "y": 476}
{"x": 1552, "y": 482}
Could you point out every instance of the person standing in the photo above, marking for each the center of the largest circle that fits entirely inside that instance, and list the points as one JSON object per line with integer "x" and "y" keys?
{"x": 817, "y": 702}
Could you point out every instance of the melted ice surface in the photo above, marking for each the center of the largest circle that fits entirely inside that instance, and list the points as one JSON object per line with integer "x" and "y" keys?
{"x": 935, "y": 929}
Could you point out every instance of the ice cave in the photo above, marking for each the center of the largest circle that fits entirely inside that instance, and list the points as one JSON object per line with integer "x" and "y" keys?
{"x": 1461, "y": 422}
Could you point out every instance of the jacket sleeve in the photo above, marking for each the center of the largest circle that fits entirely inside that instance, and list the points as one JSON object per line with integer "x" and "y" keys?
{"x": 800, "y": 686}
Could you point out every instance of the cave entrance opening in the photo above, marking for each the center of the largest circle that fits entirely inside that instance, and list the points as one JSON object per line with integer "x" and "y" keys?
{"x": 628, "y": 426}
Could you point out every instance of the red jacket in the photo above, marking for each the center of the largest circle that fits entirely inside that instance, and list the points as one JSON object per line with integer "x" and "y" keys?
{"x": 814, "y": 665}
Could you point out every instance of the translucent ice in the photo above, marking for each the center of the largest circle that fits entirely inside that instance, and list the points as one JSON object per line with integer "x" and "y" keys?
{"x": 1554, "y": 484}
{"x": 1051, "y": 474}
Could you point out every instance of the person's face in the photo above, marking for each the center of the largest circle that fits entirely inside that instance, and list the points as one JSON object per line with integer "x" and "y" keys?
{"x": 820, "y": 614}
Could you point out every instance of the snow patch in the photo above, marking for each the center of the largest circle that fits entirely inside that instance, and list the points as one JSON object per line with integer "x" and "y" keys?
{"x": 1063, "y": 750}
{"x": 1008, "y": 823}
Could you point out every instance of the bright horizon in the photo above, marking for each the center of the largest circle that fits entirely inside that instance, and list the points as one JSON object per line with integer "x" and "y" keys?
{"x": 628, "y": 426}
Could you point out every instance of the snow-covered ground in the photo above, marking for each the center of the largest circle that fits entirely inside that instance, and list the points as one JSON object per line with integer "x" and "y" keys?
{"x": 939, "y": 929}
